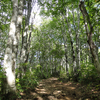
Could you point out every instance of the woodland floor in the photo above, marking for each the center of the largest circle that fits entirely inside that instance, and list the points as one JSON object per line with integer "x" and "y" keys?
{"x": 53, "y": 89}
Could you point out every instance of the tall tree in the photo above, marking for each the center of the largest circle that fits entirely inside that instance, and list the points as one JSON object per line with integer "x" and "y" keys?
{"x": 12, "y": 46}
{"x": 26, "y": 35}
{"x": 89, "y": 32}
{"x": 76, "y": 28}
{"x": 10, "y": 53}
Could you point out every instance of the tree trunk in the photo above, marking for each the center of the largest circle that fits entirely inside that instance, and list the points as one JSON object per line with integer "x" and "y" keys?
{"x": 65, "y": 45}
{"x": 72, "y": 46}
{"x": 25, "y": 40}
{"x": 88, "y": 25}
{"x": 77, "y": 41}
{"x": 18, "y": 29}
{"x": 10, "y": 52}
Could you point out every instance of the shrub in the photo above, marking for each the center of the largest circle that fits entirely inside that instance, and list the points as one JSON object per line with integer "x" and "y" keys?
{"x": 88, "y": 74}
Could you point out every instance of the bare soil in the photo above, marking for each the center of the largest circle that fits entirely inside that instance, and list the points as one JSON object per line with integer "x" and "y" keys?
{"x": 53, "y": 89}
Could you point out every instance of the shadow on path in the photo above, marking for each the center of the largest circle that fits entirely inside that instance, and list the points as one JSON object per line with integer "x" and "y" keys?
{"x": 52, "y": 89}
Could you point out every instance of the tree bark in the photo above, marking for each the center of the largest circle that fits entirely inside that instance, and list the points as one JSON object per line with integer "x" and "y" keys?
{"x": 18, "y": 29}
{"x": 25, "y": 40}
{"x": 10, "y": 52}
{"x": 89, "y": 32}
{"x": 65, "y": 45}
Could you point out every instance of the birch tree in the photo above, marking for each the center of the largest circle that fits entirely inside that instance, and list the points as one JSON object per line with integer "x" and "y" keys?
{"x": 10, "y": 52}
{"x": 12, "y": 46}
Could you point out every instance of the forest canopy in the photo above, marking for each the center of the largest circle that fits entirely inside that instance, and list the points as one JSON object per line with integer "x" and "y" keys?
{"x": 44, "y": 38}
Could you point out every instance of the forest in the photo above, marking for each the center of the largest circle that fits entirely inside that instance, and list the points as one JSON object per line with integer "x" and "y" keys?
{"x": 49, "y": 49}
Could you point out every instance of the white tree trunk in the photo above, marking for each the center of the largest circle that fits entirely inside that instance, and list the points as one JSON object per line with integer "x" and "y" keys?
{"x": 10, "y": 54}
{"x": 65, "y": 44}
{"x": 18, "y": 28}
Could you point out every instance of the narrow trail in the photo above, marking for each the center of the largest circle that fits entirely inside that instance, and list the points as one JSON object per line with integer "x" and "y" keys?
{"x": 52, "y": 89}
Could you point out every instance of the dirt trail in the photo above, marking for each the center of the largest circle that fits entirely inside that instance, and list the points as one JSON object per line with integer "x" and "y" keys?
{"x": 52, "y": 89}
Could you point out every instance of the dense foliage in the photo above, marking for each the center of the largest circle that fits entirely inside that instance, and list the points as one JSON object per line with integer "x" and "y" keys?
{"x": 65, "y": 44}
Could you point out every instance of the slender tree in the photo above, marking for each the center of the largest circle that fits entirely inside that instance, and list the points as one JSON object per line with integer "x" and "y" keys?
{"x": 89, "y": 32}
